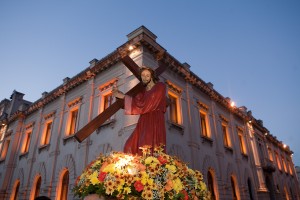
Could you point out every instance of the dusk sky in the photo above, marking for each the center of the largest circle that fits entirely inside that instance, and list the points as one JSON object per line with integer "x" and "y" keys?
{"x": 249, "y": 50}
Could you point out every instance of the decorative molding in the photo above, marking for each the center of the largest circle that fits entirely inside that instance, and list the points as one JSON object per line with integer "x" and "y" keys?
{"x": 29, "y": 125}
{"x": 49, "y": 115}
{"x": 89, "y": 74}
{"x": 44, "y": 148}
{"x": 239, "y": 128}
{"x": 206, "y": 139}
{"x": 108, "y": 84}
{"x": 202, "y": 105}
{"x": 224, "y": 119}
{"x": 176, "y": 126}
{"x": 244, "y": 156}
{"x": 173, "y": 87}
{"x": 23, "y": 155}
{"x": 109, "y": 123}
{"x": 75, "y": 102}
{"x": 228, "y": 149}
{"x": 193, "y": 144}
{"x": 69, "y": 138}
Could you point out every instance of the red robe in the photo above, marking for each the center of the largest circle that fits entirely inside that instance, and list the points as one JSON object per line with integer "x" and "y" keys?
{"x": 150, "y": 129}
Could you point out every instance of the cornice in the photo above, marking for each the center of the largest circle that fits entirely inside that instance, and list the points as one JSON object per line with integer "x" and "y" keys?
{"x": 17, "y": 115}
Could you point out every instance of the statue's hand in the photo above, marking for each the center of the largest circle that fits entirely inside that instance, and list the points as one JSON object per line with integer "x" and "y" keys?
{"x": 118, "y": 94}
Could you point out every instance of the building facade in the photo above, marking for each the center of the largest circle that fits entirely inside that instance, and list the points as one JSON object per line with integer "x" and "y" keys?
{"x": 238, "y": 156}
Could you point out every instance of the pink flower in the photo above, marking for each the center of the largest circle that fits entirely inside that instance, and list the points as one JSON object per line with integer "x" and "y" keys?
{"x": 138, "y": 186}
{"x": 102, "y": 176}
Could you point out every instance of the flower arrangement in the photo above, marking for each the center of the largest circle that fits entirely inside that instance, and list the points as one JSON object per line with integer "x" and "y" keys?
{"x": 150, "y": 176}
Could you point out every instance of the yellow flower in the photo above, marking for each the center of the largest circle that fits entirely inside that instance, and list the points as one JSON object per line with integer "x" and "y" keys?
{"x": 119, "y": 188}
{"x": 97, "y": 162}
{"x": 151, "y": 159}
{"x": 109, "y": 168}
{"x": 145, "y": 179}
{"x": 202, "y": 186}
{"x": 94, "y": 178}
{"x": 127, "y": 190}
{"x": 109, "y": 191}
{"x": 120, "y": 182}
{"x": 177, "y": 185}
{"x": 171, "y": 168}
{"x": 147, "y": 195}
{"x": 150, "y": 181}
{"x": 190, "y": 171}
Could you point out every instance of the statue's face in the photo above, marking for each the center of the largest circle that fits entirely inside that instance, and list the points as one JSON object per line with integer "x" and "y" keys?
{"x": 146, "y": 77}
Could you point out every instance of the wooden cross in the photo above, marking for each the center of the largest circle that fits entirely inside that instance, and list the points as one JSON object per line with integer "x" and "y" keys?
{"x": 95, "y": 123}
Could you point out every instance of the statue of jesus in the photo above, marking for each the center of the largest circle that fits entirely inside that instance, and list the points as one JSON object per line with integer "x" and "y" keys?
{"x": 150, "y": 104}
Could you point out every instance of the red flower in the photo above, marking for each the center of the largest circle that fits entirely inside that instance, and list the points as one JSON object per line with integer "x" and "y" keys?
{"x": 102, "y": 176}
{"x": 138, "y": 186}
{"x": 162, "y": 160}
{"x": 186, "y": 196}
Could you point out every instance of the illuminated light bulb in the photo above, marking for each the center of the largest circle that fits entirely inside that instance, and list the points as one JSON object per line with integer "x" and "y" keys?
{"x": 266, "y": 134}
{"x": 284, "y": 146}
{"x": 232, "y": 104}
{"x": 130, "y": 48}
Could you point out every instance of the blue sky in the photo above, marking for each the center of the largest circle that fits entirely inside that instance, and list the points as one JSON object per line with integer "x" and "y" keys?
{"x": 249, "y": 50}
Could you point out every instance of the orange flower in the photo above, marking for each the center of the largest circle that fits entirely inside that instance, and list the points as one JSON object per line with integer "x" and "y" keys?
{"x": 103, "y": 166}
{"x": 169, "y": 185}
{"x": 141, "y": 167}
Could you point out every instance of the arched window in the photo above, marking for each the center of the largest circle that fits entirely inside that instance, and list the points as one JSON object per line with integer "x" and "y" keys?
{"x": 15, "y": 192}
{"x": 292, "y": 195}
{"x": 286, "y": 193}
{"x": 234, "y": 188}
{"x": 63, "y": 186}
{"x": 250, "y": 189}
{"x": 210, "y": 185}
{"x": 36, "y": 188}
